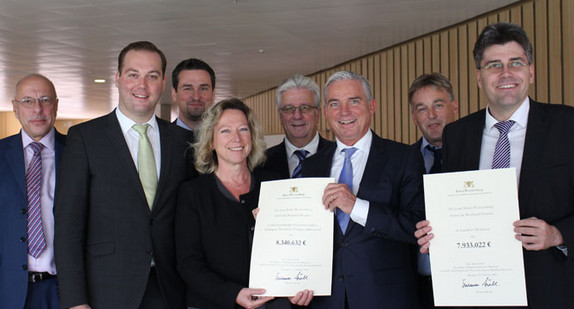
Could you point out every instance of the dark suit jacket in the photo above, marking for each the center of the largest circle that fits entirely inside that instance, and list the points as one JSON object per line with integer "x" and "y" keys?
{"x": 213, "y": 239}
{"x": 546, "y": 191}
{"x": 277, "y": 157}
{"x": 105, "y": 233}
{"x": 374, "y": 265}
{"x": 13, "y": 220}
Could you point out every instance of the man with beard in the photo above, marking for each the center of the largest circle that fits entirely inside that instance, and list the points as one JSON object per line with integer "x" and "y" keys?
{"x": 193, "y": 89}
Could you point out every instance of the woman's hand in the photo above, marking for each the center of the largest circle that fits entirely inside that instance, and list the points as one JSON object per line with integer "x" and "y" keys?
{"x": 247, "y": 298}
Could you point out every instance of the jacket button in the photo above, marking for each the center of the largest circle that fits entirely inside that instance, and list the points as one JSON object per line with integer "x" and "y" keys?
{"x": 341, "y": 278}
{"x": 24, "y": 210}
{"x": 24, "y": 267}
{"x": 242, "y": 201}
{"x": 23, "y": 239}
{"x": 344, "y": 244}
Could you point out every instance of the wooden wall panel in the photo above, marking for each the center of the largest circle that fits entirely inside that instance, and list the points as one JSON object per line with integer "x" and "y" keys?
{"x": 548, "y": 23}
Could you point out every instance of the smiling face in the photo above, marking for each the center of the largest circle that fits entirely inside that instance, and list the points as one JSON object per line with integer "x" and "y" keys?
{"x": 299, "y": 127}
{"x": 194, "y": 94}
{"x": 507, "y": 89}
{"x": 140, "y": 84}
{"x": 348, "y": 111}
{"x": 432, "y": 110}
{"x": 39, "y": 119}
{"x": 232, "y": 138}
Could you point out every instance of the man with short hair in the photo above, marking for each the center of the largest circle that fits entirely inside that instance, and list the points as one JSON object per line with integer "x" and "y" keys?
{"x": 193, "y": 90}
{"x": 535, "y": 139}
{"x": 116, "y": 197}
{"x": 377, "y": 201}
{"x": 432, "y": 107}
{"x": 298, "y": 103}
{"x": 28, "y": 163}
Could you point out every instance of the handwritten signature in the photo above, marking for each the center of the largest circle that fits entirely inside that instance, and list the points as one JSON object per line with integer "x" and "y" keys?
{"x": 298, "y": 277}
{"x": 486, "y": 283}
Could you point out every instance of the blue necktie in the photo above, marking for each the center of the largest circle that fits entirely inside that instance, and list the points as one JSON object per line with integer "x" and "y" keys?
{"x": 437, "y": 161}
{"x": 36, "y": 240}
{"x": 501, "y": 158}
{"x": 301, "y": 155}
{"x": 346, "y": 177}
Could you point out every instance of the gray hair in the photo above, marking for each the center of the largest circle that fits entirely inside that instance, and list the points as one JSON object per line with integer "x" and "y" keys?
{"x": 298, "y": 82}
{"x": 348, "y": 75}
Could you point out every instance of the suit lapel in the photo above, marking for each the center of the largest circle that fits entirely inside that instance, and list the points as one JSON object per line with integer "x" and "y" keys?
{"x": 536, "y": 132}
{"x": 15, "y": 157}
{"x": 166, "y": 142}
{"x": 119, "y": 145}
{"x": 470, "y": 154}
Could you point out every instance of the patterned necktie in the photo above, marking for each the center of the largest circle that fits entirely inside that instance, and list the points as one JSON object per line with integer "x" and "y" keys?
{"x": 346, "y": 177}
{"x": 36, "y": 240}
{"x": 501, "y": 157}
{"x": 301, "y": 155}
{"x": 146, "y": 164}
{"x": 437, "y": 163}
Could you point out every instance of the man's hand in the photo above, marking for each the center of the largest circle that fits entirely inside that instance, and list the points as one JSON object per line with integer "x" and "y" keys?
{"x": 535, "y": 234}
{"x": 303, "y": 298}
{"x": 338, "y": 195}
{"x": 423, "y": 235}
{"x": 247, "y": 298}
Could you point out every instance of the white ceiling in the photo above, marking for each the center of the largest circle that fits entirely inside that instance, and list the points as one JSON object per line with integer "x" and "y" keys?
{"x": 251, "y": 44}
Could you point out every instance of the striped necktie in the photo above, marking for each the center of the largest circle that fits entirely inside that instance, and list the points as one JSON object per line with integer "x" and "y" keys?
{"x": 36, "y": 240}
{"x": 501, "y": 157}
{"x": 301, "y": 155}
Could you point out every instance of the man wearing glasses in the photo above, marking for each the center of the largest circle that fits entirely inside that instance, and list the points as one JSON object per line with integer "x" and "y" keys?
{"x": 298, "y": 102}
{"x": 28, "y": 162}
{"x": 536, "y": 139}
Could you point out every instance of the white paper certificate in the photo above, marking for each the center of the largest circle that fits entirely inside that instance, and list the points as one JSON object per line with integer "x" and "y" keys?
{"x": 475, "y": 259}
{"x": 293, "y": 242}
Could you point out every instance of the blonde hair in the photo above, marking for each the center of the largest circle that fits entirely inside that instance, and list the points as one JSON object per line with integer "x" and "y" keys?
{"x": 205, "y": 156}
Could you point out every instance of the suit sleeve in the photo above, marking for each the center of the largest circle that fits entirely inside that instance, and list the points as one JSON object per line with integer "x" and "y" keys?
{"x": 192, "y": 263}
{"x": 70, "y": 213}
{"x": 395, "y": 218}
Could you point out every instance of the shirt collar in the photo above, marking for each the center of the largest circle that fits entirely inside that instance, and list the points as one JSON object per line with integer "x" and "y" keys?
{"x": 311, "y": 147}
{"x": 364, "y": 144}
{"x": 47, "y": 140}
{"x": 126, "y": 123}
{"x": 182, "y": 124}
{"x": 520, "y": 116}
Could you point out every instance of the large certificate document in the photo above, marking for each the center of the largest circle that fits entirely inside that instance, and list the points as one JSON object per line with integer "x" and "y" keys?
{"x": 293, "y": 242}
{"x": 475, "y": 259}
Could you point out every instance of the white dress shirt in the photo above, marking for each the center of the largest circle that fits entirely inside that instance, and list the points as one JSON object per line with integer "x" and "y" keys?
{"x": 359, "y": 161}
{"x": 292, "y": 159}
{"x": 132, "y": 138}
{"x": 45, "y": 261}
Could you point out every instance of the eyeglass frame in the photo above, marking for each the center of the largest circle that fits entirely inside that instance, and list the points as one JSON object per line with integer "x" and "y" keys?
{"x": 44, "y": 101}
{"x": 514, "y": 65}
{"x": 291, "y": 109}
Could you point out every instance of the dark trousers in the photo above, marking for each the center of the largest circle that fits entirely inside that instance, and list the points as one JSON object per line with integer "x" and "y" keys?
{"x": 153, "y": 297}
{"x": 425, "y": 292}
{"x": 42, "y": 295}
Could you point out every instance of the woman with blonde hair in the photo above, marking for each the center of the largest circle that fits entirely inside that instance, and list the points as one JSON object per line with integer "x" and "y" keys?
{"x": 214, "y": 221}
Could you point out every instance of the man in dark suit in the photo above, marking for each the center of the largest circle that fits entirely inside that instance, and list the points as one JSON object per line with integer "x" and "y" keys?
{"x": 432, "y": 107}
{"x": 116, "y": 197}
{"x": 298, "y": 103}
{"x": 377, "y": 202}
{"x": 28, "y": 162}
{"x": 541, "y": 150}
{"x": 193, "y": 90}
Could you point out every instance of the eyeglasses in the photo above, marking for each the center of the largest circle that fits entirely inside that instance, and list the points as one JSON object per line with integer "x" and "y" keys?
{"x": 290, "y": 109}
{"x": 498, "y": 67}
{"x": 31, "y": 102}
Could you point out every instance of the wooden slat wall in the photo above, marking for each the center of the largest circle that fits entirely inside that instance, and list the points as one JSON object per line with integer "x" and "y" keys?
{"x": 548, "y": 23}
